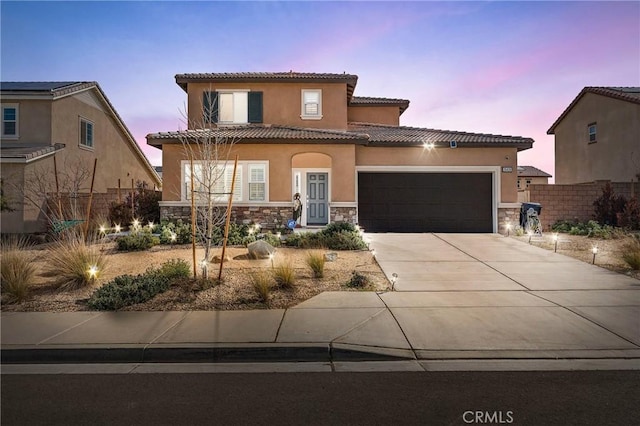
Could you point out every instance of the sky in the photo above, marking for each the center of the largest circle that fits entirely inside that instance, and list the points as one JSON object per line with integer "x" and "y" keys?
{"x": 498, "y": 67}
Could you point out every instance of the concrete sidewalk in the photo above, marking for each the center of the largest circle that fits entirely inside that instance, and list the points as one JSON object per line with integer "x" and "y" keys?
{"x": 458, "y": 296}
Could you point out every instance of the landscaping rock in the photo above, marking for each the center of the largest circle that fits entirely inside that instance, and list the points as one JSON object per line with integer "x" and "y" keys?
{"x": 330, "y": 257}
{"x": 217, "y": 259}
{"x": 260, "y": 250}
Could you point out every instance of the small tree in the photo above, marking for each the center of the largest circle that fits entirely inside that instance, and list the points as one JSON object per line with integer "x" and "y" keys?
{"x": 4, "y": 202}
{"x": 146, "y": 206}
{"x": 210, "y": 171}
{"x": 608, "y": 206}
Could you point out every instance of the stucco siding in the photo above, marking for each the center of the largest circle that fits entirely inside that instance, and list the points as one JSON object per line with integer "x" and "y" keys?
{"x": 282, "y": 103}
{"x": 616, "y": 154}
{"x": 34, "y": 122}
{"x": 379, "y": 114}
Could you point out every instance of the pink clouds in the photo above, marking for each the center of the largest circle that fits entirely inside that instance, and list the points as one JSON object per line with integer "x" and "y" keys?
{"x": 140, "y": 127}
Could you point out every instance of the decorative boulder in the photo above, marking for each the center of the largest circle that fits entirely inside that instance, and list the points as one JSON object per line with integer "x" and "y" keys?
{"x": 330, "y": 257}
{"x": 260, "y": 250}
{"x": 218, "y": 259}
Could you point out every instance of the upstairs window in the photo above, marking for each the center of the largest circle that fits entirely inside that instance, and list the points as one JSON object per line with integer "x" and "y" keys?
{"x": 10, "y": 121}
{"x": 311, "y": 104}
{"x": 86, "y": 133}
{"x": 592, "y": 129}
{"x": 232, "y": 107}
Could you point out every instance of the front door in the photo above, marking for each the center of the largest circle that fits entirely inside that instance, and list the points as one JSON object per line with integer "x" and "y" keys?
{"x": 317, "y": 205}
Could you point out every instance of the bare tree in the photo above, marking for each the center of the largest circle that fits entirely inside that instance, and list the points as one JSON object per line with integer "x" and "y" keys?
{"x": 39, "y": 189}
{"x": 210, "y": 169}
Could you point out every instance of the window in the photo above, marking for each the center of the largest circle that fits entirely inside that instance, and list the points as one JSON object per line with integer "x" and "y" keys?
{"x": 592, "y": 129}
{"x": 86, "y": 133}
{"x": 250, "y": 185}
{"x": 311, "y": 104}
{"x": 257, "y": 182}
{"x": 232, "y": 107}
{"x": 528, "y": 183}
{"x": 10, "y": 121}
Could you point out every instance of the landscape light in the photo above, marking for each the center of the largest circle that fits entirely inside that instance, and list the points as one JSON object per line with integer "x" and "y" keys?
{"x": 428, "y": 145}
{"x": 136, "y": 223}
{"x": 117, "y": 228}
{"x": 103, "y": 229}
{"x": 530, "y": 234}
{"x": 394, "y": 280}
{"x": 173, "y": 237}
{"x": 271, "y": 259}
{"x": 594, "y": 250}
{"x": 250, "y": 231}
{"x": 373, "y": 252}
{"x": 508, "y": 228}
{"x": 93, "y": 271}
{"x": 555, "y": 240}
{"x": 151, "y": 225}
{"x": 278, "y": 235}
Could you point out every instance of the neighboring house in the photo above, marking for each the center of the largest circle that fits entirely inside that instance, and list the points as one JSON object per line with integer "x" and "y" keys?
{"x": 158, "y": 171}
{"x": 346, "y": 155}
{"x": 598, "y": 136}
{"x": 74, "y": 123}
{"x": 528, "y": 175}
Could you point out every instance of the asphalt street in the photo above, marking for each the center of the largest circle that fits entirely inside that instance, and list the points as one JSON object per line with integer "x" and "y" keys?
{"x": 407, "y": 398}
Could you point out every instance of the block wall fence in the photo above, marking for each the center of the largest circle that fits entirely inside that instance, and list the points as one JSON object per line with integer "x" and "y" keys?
{"x": 573, "y": 202}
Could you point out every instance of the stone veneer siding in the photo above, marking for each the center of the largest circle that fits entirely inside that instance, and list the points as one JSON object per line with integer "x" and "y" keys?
{"x": 508, "y": 215}
{"x": 269, "y": 217}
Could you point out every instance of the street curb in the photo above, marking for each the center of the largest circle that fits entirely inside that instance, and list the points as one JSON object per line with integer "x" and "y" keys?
{"x": 193, "y": 354}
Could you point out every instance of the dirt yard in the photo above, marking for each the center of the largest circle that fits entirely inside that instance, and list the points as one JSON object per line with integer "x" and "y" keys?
{"x": 579, "y": 247}
{"x": 235, "y": 293}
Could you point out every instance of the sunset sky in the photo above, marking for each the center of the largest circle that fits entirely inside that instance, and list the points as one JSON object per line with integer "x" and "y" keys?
{"x": 492, "y": 67}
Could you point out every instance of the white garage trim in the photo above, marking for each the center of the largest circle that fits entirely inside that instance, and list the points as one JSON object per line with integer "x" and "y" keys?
{"x": 494, "y": 170}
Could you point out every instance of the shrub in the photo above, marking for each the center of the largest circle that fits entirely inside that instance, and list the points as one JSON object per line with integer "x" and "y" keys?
{"x": 137, "y": 241}
{"x": 338, "y": 227}
{"x": 629, "y": 217}
{"x": 120, "y": 213}
{"x": 181, "y": 230}
{"x": 608, "y": 206}
{"x": 146, "y": 204}
{"x": 16, "y": 270}
{"x": 72, "y": 260}
{"x": 631, "y": 253}
{"x": 261, "y": 283}
{"x": 126, "y": 290}
{"x": 304, "y": 240}
{"x": 343, "y": 240}
{"x": 272, "y": 239}
{"x": 315, "y": 261}
{"x": 358, "y": 280}
{"x": 284, "y": 275}
{"x": 175, "y": 268}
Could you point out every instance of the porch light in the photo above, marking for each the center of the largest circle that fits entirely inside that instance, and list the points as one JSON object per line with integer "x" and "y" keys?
{"x": 93, "y": 271}
{"x": 118, "y": 228}
{"x": 594, "y": 250}
{"x": 555, "y": 241}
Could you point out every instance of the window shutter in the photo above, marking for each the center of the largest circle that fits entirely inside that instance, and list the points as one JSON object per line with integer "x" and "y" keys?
{"x": 209, "y": 107}
{"x": 255, "y": 107}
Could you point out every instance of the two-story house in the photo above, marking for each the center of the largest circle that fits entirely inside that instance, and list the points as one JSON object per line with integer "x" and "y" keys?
{"x": 597, "y": 137}
{"x": 74, "y": 123}
{"x": 529, "y": 175}
{"x": 347, "y": 156}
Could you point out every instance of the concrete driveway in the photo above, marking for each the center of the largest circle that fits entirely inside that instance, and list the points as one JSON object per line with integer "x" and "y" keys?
{"x": 476, "y": 295}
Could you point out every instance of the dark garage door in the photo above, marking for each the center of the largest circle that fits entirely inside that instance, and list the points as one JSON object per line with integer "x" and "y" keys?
{"x": 425, "y": 202}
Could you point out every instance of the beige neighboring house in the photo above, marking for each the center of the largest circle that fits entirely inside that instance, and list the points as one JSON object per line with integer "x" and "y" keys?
{"x": 597, "y": 137}
{"x": 347, "y": 156}
{"x": 74, "y": 123}
{"x": 528, "y": 175}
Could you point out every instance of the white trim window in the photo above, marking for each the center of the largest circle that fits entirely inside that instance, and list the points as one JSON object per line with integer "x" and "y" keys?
{"x": 250, "y": 184}
{"x": 86, "y": 133}
{"x": 257, "y": 182}
{"x": 311, "y": 104}
{"x": 592, "y": 130}
{"x": 10, "y": 121}
{"x": 233, "y": 108}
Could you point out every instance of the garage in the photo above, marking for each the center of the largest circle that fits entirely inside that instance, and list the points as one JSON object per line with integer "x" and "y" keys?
{"x": 425, "y": 202}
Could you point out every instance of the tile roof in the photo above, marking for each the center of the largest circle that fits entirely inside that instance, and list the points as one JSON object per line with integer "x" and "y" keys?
{"x": 253, "y": 133}
{"x": 381, "y": 135}
{"x": 351, "y": 79}
{"x": 368, "y": 100}
{"x": 25, "y": 154}
{"x": 358, "y": 133}
{"x": 629, "y": 94}
{"x": 530, "y": 171}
